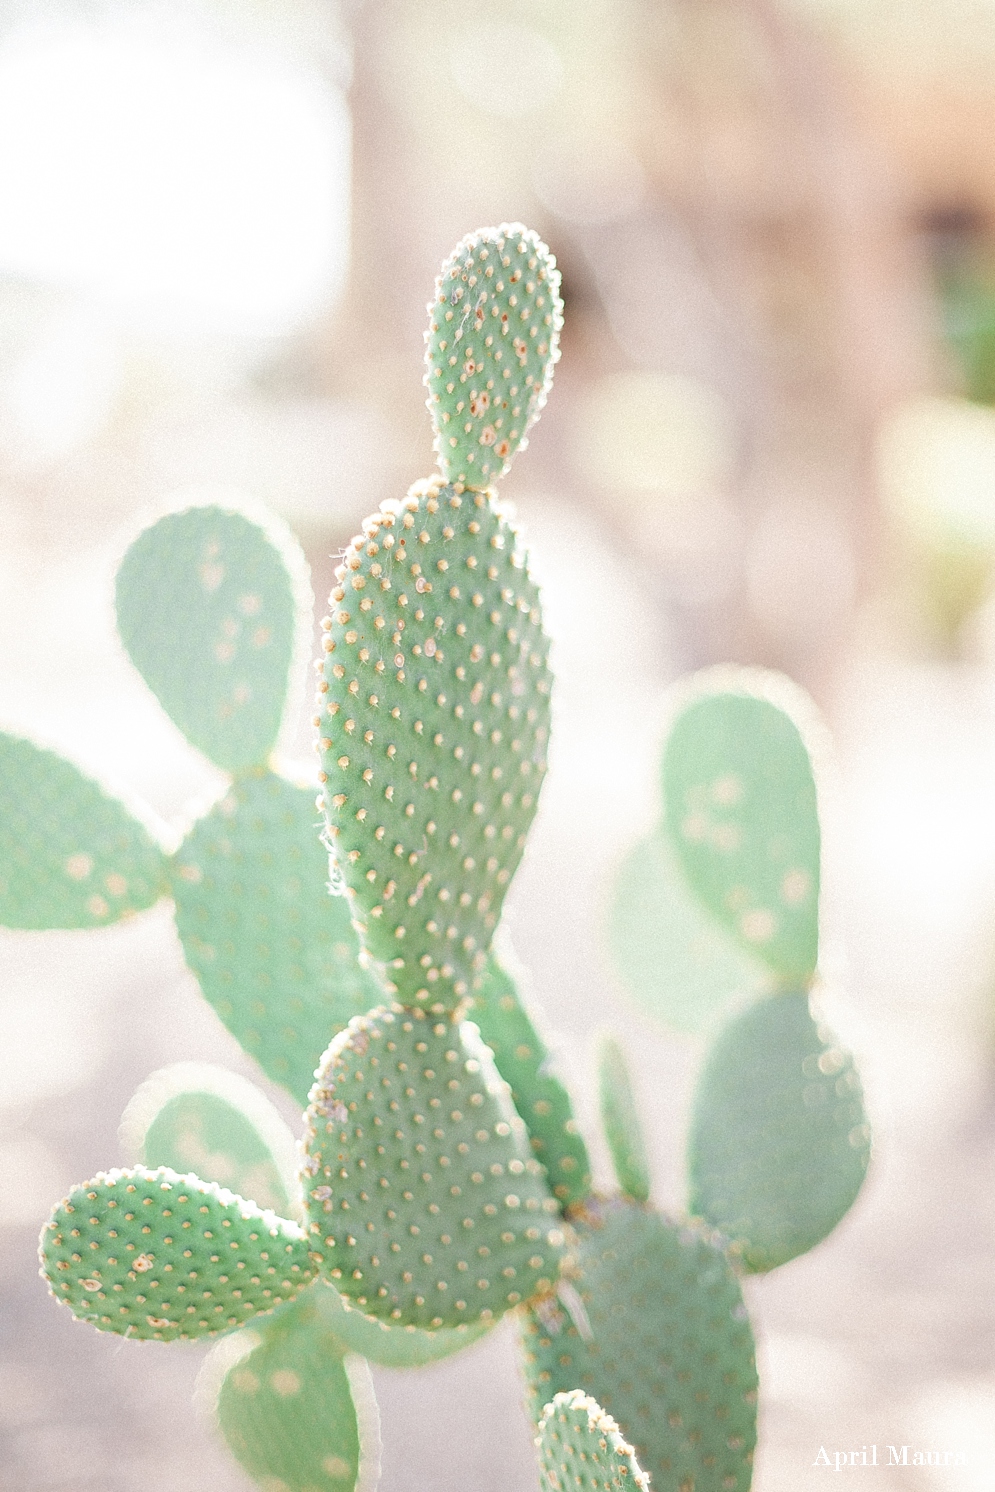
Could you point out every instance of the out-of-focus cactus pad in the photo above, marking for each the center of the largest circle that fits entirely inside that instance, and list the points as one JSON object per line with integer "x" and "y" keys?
{"x": 394, "y": 1346}
{"x": 741, "y": 811}
{"x": 621, "y": 1122}
{"x": 492, "y": 341}
{"x": 153, "y": 1254}
{"x": 70, "y": 855}
{"x": 197, "y": 1118}
{"x": 677, "y": 961}
{"x": 286, "y": 1408}
{"x": 671, "y": 1353}
{"x": 779, "y": 1141}
{"x": 538, "y": 1095}
{"x": 273, "y": 952}
{"x": 426, "y": 1206}
{"x": 435, "y": 716}
{"x": 580, "y": 1447}
{"x": 208, "y": 606}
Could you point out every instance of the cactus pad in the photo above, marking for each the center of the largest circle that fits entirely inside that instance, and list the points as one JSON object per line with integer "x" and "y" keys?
{"x": 580, "y": 1447}
{"x": 621, "y": 1121}
{"x": 538, "y": 1095}
{"x": 676, "y": 960}
{"x": 209, "y": 606}
{"x": 492, "y": 341}
{"x": 273, "y": 952}
{"x": 196, "y": 1117}
{"x": 779, "y": 1142}
{"x": 435, "y": 715}
{"x": 671, "y": 1352}
{"x": 288, "y": 1407}
{"x": 425, "y": 1204}
{"x": 153, "y": 1254}
{"x": 70, "y": 855}
{"x": 740, "y": 807}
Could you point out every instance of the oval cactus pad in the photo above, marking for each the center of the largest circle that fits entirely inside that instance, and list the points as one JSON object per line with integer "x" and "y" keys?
{"x": 153, "y": 1254}
{"x": 209, "y": 603}
{"x": 194, "y": 1117}
{"x": 391, "y": 1345}
{"x": 272, "y": 950}
{"x": 537, "y": 1093}
{"x": 425, "y": 1204}
{"x": 670, "y": 1352}
{"x": 492, "y": 341}
{"x": 677, "y": 961}
{"x": 581, "y": 1449}
{"x": 287, "y": 1407}
{"x": 433, "y": 729}
{"x": 70, "y": 854}
{"x": 740, "y": 806}
{"x": 779, "y": 1141}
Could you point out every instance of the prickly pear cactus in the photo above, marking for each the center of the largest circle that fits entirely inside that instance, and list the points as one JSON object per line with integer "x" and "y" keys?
{"x": 492, "y": 341}
{"x": 621, "y": 1124}
{"x": 580, "y": 1446}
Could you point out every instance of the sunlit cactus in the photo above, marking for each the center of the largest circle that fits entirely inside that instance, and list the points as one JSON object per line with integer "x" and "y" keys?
{"x": 441, "y": 1181}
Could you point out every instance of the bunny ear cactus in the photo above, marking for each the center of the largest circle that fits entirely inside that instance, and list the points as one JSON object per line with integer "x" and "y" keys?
{"x": 580, "y": 1446}
{"x": 779, "y": 1141}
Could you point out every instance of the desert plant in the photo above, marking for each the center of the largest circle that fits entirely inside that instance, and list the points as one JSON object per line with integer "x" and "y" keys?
{"x": 442, "y": 1180}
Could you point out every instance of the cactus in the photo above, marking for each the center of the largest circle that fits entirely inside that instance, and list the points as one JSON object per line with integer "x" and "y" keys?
{"x": 442, "y": 1180}
{"x": 779, "y": 1142}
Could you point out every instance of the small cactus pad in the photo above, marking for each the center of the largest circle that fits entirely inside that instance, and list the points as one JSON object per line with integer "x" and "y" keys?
{"x": 395, "y": 1346}
{"x": 741, "y": 811}
{"x": 492, "y": 341}
{"x": 677, "y": 961}
{"x": 538, "y": 1095}
{"x": 425, "y": 1204}
{"x": 70, "y": 855}
{"x": 196, "y": 1117}
{"x": 433, "y": 728}
{"x": 288, "y": 1408}
{"x": 779, "y": 1142}
{"x": 209, "y": 603}
{"x": 670, "y": 1354}
{"x": 153, "y": 1254}
{"x": 273, "y": 952}
{"x": 581, "y": 1449}
{"x": 621, "y": 1122}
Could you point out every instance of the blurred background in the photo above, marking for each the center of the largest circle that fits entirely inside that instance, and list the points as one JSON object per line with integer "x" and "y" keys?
{"x": 772, "y": 440}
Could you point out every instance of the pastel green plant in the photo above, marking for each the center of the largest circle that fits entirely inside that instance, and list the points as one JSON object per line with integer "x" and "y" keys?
{"x": 580, "y": 1446}
{"x": 295, "y": 1408}
{"x": 214, "y": 605}
{"x": 442, "y": 1182}
{"x": 651, "y": 1325}
{"x": 622, "y": 1128}
{"x": 779, "y": 1141}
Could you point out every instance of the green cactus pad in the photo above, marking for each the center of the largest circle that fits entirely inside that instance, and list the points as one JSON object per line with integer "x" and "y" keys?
{"x": 538, "y": 1095}
{"x": 435, "y": 715}
{"x": 580, "y": 1447}
{"x": 153, "y": 1254}
{"x": 294, "y": 1410}
{"x": 209, "y": 606}
{"x": 621, "y": 1121}
{"x": 492, "y": 341}
{"x": 274, "y": 953}
{"x": 676, "y": 960}
{"x": 70, "y": 855}
{"x": 741, "y": 812}
{"x": 670, "y": 1354}
{"x": 394, "y": 1346}
{"x": 194, "y": 1117}
{"x": 779, "y": 1140}
{"x": 425, "y": 1204}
